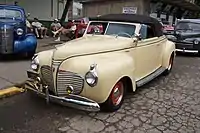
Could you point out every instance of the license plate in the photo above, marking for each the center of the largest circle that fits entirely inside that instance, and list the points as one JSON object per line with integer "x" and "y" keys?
{"x": 32, "y": 75}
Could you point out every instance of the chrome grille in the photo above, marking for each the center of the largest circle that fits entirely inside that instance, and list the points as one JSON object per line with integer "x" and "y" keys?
{"x": 47, "y": 77}
{"x": 6, "y": 40}
{"x": 66, "y": 78}
{"x": 56, "y": 62}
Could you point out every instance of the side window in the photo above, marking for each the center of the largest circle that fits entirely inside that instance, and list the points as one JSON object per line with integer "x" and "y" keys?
{"x": 150, "y": 32}
{"x": 143, "y": 31}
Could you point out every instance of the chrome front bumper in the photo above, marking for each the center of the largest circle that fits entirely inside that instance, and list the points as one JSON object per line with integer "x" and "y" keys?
{"x": 187, "y": 51}
{"x": 69, "y": 100}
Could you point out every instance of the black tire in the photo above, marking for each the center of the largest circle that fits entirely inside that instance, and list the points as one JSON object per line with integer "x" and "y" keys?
{"x": 111, "y": 105}
{"x": 170, "y": 65}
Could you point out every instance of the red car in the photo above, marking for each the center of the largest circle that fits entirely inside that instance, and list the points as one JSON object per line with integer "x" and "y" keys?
{"x": 81, "y": 25}
{"x": 167, "y": 28}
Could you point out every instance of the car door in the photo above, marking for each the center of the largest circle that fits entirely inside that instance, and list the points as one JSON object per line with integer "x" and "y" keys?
{"x": 147, "y": 55}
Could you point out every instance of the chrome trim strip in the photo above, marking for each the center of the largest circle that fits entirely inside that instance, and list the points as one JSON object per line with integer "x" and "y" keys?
{"x": 150, "y": 77}
{"x": 73, "y": 101}
{"x": 186, "y": 51}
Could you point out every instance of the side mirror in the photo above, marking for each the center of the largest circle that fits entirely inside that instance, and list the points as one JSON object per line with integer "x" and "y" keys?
{"x": 135, "y": 41}
{"x": 138, "y": 36}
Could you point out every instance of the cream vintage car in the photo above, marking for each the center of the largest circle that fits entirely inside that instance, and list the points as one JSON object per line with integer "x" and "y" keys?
{"x": 117, "y": 54}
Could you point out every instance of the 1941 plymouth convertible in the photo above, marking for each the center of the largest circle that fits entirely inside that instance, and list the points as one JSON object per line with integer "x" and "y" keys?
{"x": 121, "y": 52}
{"x": 14, "y": 38}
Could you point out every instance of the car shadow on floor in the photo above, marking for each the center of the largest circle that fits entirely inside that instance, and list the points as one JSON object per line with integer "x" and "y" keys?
{"x": 192, "y": 55}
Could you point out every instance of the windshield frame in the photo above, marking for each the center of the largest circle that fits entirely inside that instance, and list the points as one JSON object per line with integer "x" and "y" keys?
{"x": 14, "y": 9}
{"x": 137, "y": 26}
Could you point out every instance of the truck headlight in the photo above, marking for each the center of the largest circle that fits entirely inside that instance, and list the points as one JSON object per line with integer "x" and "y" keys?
{"x": 35, "y": 62}
{"x": 20, "y": 31}
{"x": 91, "y": 76}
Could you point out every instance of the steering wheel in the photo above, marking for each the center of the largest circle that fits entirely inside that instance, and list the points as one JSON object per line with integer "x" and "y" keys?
{"x": 124, "y": 33}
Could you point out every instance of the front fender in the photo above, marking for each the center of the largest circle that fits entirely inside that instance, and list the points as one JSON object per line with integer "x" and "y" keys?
{"x": 167, "y": 52}
{"x": 28, "y": 44}
{"x": 110, "y": 68}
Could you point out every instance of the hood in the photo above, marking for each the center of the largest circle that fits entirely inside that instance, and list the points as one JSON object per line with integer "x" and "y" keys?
{"x": 91, "y": 44}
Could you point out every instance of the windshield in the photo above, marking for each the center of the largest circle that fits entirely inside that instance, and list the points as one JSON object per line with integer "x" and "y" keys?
{"x": 11, "y": 14}
{"x": 111, "y": 28}
{"x": 188, "y": 26}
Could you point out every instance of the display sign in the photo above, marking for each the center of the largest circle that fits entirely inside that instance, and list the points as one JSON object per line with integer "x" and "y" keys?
{"x": 129, "y": 10}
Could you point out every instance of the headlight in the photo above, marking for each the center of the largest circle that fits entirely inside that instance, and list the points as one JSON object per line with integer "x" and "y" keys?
{"x": 196, "y": 42}
{"x": 20, "y": 31}
{"x": 177, "y": 32}
{"x": 35, "y": 62}
{"x": 91, "y": 76}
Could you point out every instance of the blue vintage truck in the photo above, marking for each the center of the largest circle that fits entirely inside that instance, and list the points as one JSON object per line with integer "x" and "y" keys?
{"x": 14, "y": 38}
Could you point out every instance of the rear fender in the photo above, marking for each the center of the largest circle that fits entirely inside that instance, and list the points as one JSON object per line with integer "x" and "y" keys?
{"x": 167, "y": 52}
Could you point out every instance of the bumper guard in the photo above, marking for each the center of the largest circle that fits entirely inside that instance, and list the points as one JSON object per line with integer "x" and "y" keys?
{"x": 69, "y": 100}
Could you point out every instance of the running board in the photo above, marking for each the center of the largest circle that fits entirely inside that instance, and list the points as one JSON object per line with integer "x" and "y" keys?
{"x": 150, "y": 77}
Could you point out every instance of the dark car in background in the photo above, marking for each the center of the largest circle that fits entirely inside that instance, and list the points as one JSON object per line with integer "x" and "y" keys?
{"x": 187, "y": 35}
{"x": 14, "y": 37}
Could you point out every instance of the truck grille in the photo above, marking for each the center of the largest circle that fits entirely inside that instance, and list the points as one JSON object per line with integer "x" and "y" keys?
{"x": 66, "y": 78}
{"x": 184, "y": 46}
{"x": 6, "y": 40}
{"x": 47, "y": 77}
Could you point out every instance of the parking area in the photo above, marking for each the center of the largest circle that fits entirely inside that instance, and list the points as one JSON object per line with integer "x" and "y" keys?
{"x": 166, "y": 105}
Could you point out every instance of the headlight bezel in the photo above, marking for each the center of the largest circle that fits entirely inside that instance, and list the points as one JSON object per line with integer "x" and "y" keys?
{"x": 196, "y": 42}
{"x": 19, "y": 31}
{"x": 91, "y": 77}
{"x": 35, "y": 63}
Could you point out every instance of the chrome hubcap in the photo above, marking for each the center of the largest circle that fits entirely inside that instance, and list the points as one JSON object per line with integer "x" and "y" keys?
{"x": 117, "y": 93}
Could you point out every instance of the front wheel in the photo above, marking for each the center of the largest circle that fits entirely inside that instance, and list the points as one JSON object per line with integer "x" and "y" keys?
{"x": 169, "y": 68}
{"x": 115, "y": 99}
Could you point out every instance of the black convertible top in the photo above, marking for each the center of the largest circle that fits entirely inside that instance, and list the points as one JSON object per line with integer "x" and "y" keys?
{"x": 132, "y": 18}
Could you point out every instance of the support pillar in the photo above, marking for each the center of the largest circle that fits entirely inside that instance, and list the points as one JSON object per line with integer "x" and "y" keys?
{"x": 167, "y": 17}
{"x": 158, "y": 14}
{"x": 179, "y": 13}
{"x": 68, "y": 4}
{"x": 174, "y": 18}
